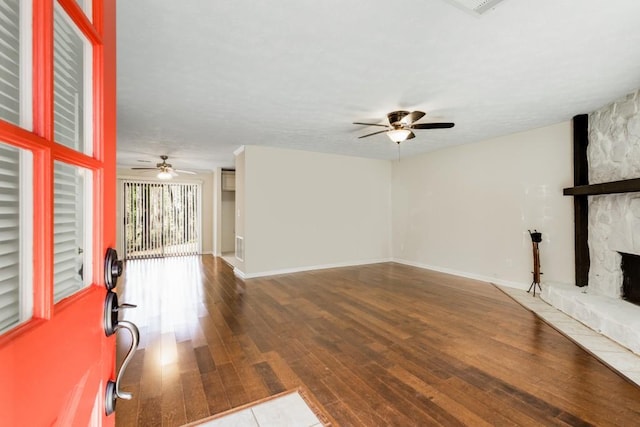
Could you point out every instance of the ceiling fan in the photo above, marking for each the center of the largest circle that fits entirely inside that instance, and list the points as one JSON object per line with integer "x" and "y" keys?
{"x": 165, "y": 170}
{"x": 401, "y": 125}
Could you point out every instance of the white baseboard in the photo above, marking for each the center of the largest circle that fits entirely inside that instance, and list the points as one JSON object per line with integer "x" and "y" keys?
{"x": 239, "y": 273}
{"x": 511, "y": 284}
{"x": 474, "y": 276}
{"x": 243, "y": 275}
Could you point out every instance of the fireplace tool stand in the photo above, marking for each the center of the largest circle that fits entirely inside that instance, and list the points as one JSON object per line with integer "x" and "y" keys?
{"x": 536, "y": 237}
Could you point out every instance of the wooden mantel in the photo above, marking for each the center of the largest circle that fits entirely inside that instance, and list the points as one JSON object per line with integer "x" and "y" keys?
{"x": 613, "y": 187}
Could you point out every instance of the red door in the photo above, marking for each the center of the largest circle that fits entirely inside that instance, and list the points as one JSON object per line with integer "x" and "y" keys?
{"x": 57, "y": 191}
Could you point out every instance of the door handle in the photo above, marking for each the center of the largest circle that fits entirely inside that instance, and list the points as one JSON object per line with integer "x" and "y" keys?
{"x": 113, "y": 392}
{"x": 112, "y": 325}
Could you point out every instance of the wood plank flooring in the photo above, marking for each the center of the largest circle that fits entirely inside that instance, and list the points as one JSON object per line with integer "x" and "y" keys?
{"x": 377, "y": 345}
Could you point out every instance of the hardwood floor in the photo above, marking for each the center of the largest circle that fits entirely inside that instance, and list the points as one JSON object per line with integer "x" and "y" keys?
{"x": 377, "y": 345}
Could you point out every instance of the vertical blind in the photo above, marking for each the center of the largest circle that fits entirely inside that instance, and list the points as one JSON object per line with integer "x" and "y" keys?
{"x": 68, "y": 230}
{"x": 9, "y": 237}
{"x": 10, "y": 61}
{"x": 161, "y": 219}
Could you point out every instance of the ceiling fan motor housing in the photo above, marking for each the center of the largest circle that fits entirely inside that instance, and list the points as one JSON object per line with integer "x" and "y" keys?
{"x": 395, "y": 116}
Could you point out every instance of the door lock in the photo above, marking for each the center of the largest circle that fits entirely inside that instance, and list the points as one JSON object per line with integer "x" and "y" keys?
{"x": 112, "y": 268}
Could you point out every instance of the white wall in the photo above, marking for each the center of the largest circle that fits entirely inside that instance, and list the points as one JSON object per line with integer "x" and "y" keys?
{"x": 304, "y": 210}
{"x": 466, "y": 209}
{"x": 206, "y": 179}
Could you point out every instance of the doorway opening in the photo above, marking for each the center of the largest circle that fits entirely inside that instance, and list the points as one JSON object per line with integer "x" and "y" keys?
{"x": 161, "y": 219}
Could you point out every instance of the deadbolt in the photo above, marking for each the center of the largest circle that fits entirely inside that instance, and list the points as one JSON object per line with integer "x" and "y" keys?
{"x": 112, "y": 268}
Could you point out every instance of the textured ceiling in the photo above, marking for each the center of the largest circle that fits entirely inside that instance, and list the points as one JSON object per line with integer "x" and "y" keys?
{"x": 199, "y": 78}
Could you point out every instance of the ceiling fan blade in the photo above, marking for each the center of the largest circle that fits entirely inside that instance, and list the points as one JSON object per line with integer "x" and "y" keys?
{"x": 411, "y": 136}
{"x": 187, "y": 172}
{"x": 149, "y": 169}
{"x": 432, "y": 126}
{"x": 369, "y": 124}
{"x": 413, "y": 116}
{"x": 374, "y": 133}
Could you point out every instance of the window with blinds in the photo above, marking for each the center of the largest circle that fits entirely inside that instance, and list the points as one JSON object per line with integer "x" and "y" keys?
{"x": 71, "y": 266}
{"x": 10, "y": 61}
{"x": 71, "y": 85}
{"x": 161, "y": 219}
{"x": 16, "y": 297}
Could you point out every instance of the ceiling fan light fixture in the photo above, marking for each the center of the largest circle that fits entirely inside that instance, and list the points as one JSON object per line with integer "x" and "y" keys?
{"x": 163, "y": 174}
{"x": 398, "y": 135}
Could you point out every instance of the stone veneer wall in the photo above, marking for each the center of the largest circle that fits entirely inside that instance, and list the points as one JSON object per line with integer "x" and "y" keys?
{"x": 614, "y": 220}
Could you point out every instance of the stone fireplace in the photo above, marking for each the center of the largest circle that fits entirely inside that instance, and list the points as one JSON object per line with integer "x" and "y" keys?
{"x": 610, "y": 199}
{"x": 614, "y": 219}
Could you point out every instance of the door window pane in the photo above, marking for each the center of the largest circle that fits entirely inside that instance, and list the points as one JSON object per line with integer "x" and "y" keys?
{"x": 72, "y": 85}
{"x": 72, "y": 245}
{"x": 86, "y": 6}
{"x": 15, "y": 62}
{"x": 16, "y": 296}
{"x": 10, "y": 61}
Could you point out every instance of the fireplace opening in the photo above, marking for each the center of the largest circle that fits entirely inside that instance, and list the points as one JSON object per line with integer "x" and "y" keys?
{"x": 631, "y": 277}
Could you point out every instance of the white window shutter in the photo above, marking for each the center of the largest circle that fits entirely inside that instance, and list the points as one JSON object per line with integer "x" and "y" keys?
{"x": 10, "y": 303}
{"x": 68, "y": 80}
{"x": 10, "y": 61}
{"x": 68, "y": 230}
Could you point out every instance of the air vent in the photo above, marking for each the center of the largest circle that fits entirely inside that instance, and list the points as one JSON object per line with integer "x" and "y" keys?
{"x": 477, "y": 7}
{"x": 240, "y": 248}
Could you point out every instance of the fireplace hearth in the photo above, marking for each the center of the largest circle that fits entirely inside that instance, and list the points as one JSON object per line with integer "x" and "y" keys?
{"x": 631, "y": 277}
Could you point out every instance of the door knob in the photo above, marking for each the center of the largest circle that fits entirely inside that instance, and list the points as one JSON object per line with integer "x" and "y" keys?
{"x": 112, "y": 268}
{"x": 111, "y": 310}
{"x": 112, "y": 324}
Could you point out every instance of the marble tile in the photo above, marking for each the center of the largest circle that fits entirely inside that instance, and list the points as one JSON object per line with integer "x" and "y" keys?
{"x": 289, "y": 410}
{"x": 244, "y": 418}
{"x": 622, "y": 361}
{"x": 633, "y": 376}
{"x": 286, "y": 411}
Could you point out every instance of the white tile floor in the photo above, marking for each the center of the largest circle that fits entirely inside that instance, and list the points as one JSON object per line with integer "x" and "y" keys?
{"x": 289, "y": 410}
{"x": 230, "y": 258}
{"x": 609, "y": 352}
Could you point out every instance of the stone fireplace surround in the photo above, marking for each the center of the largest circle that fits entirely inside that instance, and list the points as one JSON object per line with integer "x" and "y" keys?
{"x": 613, "y": 154}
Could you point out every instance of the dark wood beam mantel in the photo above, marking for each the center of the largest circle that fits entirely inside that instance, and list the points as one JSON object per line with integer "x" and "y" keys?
{"x": 613, "y": 187}
{"x": 581, "y": 203}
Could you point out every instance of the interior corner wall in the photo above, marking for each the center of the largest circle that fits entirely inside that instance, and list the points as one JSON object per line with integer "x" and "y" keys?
{"x": 466, "y": 209}
{"x": 307, "y": 210}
